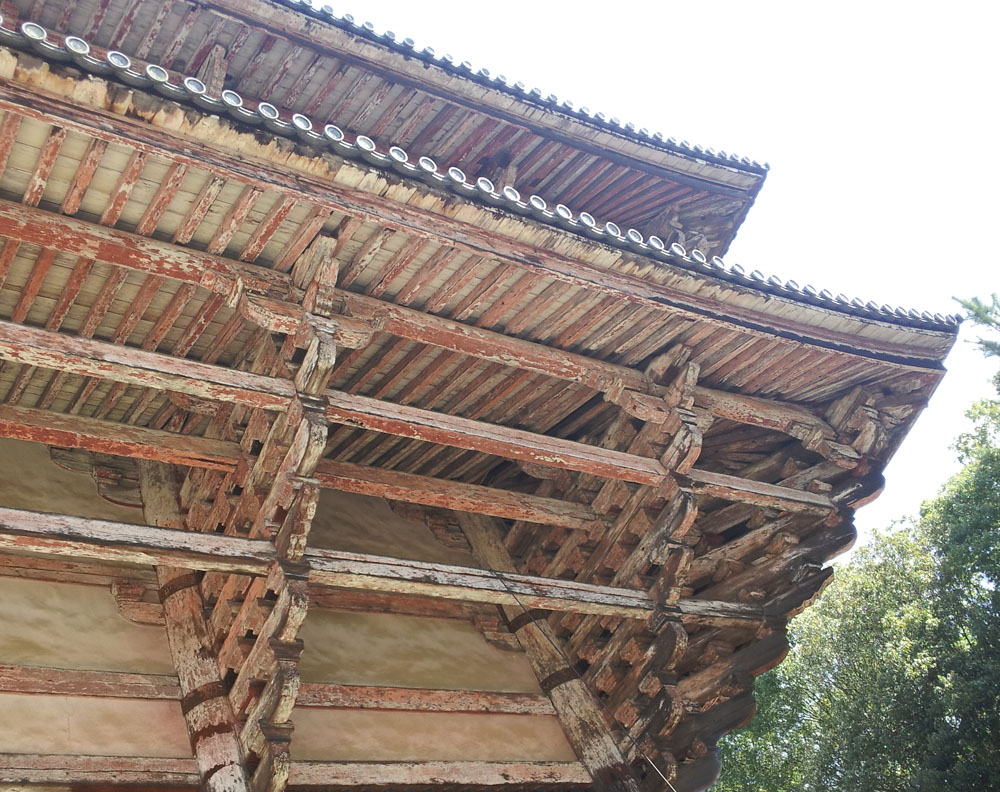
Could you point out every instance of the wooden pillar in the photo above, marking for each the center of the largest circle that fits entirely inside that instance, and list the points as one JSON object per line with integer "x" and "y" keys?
{"x": 578, "y": 711}
{"x": 207, "y": 712}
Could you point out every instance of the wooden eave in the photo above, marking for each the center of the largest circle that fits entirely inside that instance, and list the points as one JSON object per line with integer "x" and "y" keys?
{"x": 634, "y": 429}
{"x": 339, "y": 75}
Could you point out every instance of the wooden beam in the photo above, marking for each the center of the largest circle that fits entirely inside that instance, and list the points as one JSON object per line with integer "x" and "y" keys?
{"x": 766, "y": 413}
{"x": 496, "y": 347}
{"x": 88, "y": 357}
{"x": 67, "y": 682}
{"x": 313, "y": 694}
{"x": 72, "y": 771}
{"x": 125, "y": 543}
{"x": 720, "y": 614}
{"x": 423, "y": 774}
{"x": 759, "y": 493}
{"x": 418, "y": 578}
{"x": 134, "y": 252}
{"x": 137, "y": 442}
{"x": 433, "y": 427}
{"x": 578, "y": 711}
{"x": 106, "y": 437}
{"x": 396, "y": 215}
{"x": 411, "y": 488}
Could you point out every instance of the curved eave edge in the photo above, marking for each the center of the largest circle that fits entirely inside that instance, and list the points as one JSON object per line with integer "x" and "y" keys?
{"x": 117, "y": 66}
{"x": 519, "y": 90}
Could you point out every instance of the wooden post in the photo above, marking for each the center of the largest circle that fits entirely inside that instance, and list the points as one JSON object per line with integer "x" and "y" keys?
{"x": 207, "y": 712}
{"x": 578, "y": 711}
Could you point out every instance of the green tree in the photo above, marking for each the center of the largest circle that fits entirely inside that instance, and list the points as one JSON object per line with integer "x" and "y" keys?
{"x": 893, "y": 679}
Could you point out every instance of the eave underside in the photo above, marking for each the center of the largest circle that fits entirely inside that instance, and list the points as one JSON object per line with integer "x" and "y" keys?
{"x": 414, "y": 400}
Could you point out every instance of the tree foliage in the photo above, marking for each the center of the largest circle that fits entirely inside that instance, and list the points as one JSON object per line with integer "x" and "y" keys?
{"x": 893, "y": 679}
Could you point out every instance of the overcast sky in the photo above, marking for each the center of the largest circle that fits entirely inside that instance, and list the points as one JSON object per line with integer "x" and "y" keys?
{"x": 879, "y": 121}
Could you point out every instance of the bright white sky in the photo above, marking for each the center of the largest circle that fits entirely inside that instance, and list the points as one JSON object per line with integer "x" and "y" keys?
{"x": 879, "y": 121}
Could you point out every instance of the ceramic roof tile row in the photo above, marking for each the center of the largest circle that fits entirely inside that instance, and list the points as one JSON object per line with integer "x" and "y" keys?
{"x": 118, "y": 66}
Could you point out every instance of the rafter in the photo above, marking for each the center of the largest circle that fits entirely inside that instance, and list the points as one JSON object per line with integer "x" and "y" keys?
{"x": 423, "y": 223}
{"x": 221, "y": 275}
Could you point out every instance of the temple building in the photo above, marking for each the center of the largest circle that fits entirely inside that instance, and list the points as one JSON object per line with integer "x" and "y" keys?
{"x": 370, "y": 421}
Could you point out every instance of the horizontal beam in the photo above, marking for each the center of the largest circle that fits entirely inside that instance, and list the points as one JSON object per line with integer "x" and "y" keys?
{"x": 70, "y": 771}
{"x": 126, "y": 543}
{"x": 92, "y": 358}
{"x": 410, "y": 774}
{"x": 313, "y": 694}
{"x": 444, "y": 581}
{"x": 64, "y": 770}
{"x": 767, "y": 413}
{"x": 247, "y": 168}
{"x": 63, "y": 536}
{"x": 134, "y": 252}
{"x": 758, "y": 493}
{"x": 106, "y": 437}
{"x": 451, "y": 430}
{"x": 113, "y": 684}
{"x": 496, "y": 347}
{"x": 69, "y": 682}
{"x": 427, "y": 491}
{"x": 138, "y": 442}
{"x": 720, "y": 614}
{"x": 66, "y": 431}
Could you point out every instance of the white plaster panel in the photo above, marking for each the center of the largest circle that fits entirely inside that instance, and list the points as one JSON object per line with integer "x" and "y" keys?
{"x": 82, "y": 726}
{"x": 407, "y": 651}
{"x": 29, "y": 479}
{"x": 372, "y": 735}
{"x": 65, "y": 625}
{"x": 361, "y": 524}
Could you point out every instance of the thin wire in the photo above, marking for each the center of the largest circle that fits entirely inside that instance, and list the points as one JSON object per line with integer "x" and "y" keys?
{"x": 579, "y": 676}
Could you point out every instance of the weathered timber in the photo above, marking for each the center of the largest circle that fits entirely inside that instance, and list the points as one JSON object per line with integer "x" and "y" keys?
{"x": 395, "y": 215}
{"x": 434, "y": 427}
{"x": 422, "y": 774}
{"x": 411, "y": 488}
{"x": 70, "y": 682}
{"x": 496, "y": 347}
{"x": 759, "y": 493}
{"x": 207, "y": 713}
{"x": 135, "y": 252}
{"x": 720, "y": 614}
{"x": 418, "y": 699}
{"x": 225, "y": 276}
{"x": 85, "y": 356}
{"x": 74, "y": 431}
{"x": 372, "y": 573}
{"x": 77, "y": 431}
{"x": 126, "y": 543}
{"x": 755, "y": 411}
{"x": 72, "y": 771}
{"x": 579, "y": 713}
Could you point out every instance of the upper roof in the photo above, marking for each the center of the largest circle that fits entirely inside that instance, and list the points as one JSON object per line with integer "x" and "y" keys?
{"x": 397, "y": 160}
{"x": 334, "y": 71}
